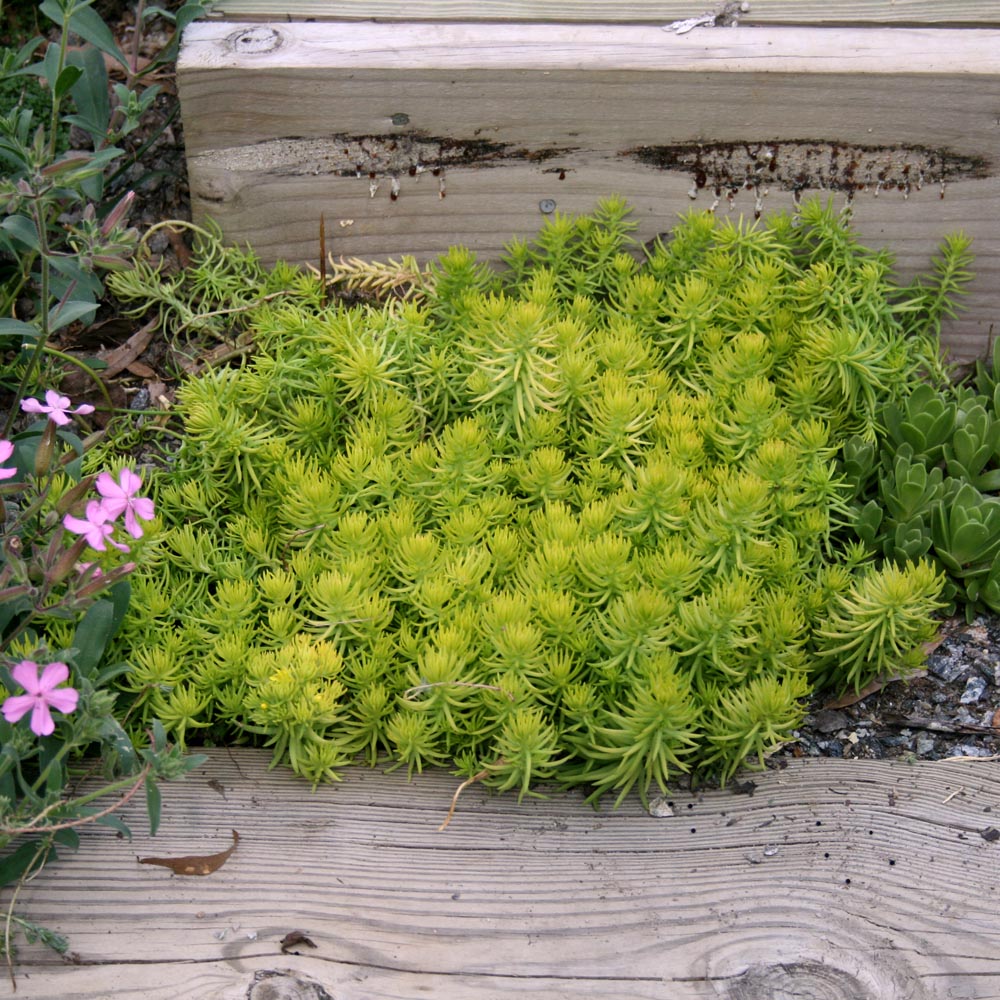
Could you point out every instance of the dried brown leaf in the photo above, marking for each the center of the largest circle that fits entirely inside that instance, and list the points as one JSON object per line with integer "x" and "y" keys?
{"x": 852, "y": 697}
{"x": 195, "y": 864}
{"x": 295, "y": 939}
{"x": 125, "y": 354}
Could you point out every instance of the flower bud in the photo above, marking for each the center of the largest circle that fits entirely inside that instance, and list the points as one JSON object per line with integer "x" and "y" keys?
{"x": 46, "y": 449}
{"x": 74, "y": 495}
{"x": 118, "y": 213}
{"x": 67, "y": 562}
{"x": 69, "y": 161}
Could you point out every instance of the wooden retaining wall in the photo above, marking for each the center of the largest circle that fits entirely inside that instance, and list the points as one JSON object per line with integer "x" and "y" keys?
{"x": 410, "y": 136}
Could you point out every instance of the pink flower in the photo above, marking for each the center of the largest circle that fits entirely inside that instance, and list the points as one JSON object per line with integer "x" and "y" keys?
{"x": 6, "y": 450}
{"x": 95, "y": 527}
{"x": 43, "y": 694}
{"x": 56, "y": 406}
{"x": 121, "y": 496}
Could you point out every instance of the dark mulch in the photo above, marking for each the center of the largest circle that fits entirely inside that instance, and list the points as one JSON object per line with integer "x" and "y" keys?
{"x": 950, "y": 709}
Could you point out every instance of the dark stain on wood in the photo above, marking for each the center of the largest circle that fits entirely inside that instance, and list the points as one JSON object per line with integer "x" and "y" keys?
{"x": 730, "y": 167}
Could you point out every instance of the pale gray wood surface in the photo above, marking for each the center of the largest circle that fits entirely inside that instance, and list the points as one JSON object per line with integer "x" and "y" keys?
{"x": 654, "y": 11}
{"x": 835, "y": 880}
{"x": 284, "y": 122}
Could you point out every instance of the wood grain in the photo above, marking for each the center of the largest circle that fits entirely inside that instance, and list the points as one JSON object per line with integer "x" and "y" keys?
{"x": 835, "y": 880}
{"x": 653, "y": 11}
{"x": 268, "y": 132}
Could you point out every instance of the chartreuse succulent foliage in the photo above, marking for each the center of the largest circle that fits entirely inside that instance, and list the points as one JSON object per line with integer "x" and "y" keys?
{"x": 581, "y": 521}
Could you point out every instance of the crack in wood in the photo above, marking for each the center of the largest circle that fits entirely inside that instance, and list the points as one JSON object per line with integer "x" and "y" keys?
{"x": 725, "y": 168}
{"x": 373, "y": 156}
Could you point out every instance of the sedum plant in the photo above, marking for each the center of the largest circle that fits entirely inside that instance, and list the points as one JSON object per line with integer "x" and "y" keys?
{"x": 586, "y": 520}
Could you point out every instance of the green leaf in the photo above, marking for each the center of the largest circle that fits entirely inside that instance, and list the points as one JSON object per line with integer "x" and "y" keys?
{"x": 190, "y": 12}
{"x": 121, "y": 595}
{"x": 115, "y": 823}
{"x": 92, "y": 636}
{"x": 89, "y": 25}
{"x": 153, "y": 804}
{"x": 17, "y": 328}
{"x": 70, "y": 312}
{"x": 112, "y": 735}
{"x": 988, "y": 482}
{"x": 107, "y": 674}
{"x": 90, "y": 95}
{"x": 67, "y": 78}
{"x": 50, "y": 65}
{"x": 23, "y": 229}
{"x": 9, "y": 610}
{"x": 67, "y": 837}
{"x": 15, "y": 865}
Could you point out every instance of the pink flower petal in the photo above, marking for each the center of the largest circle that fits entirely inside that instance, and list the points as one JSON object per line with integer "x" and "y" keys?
{"x": 55, "y": 400}
{"x": 6, "y": 450}
{"x": 53, "y": 674}
{"x": 17, "y": 706}
{"x": 25, "y": 673}
{"x": 131, "y": 483}
{"x": 113, "y": 506}
{"x": 107, "y": 486}
{"x": 64, "y": 700}
{"x": 143, "y": 506}
{"x": 94, "y": 533}
{"x": 41, "y": 720}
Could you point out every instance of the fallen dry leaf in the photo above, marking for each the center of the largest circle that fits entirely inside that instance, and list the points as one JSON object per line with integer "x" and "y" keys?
{"x": 295, "y": 939}
{"x": 141, "y": 369}
{"x": 122, "y": 356}
{"x": 179, "y": 247}
{"x": 852, "y": 698}
{"x": 195, "y": 864}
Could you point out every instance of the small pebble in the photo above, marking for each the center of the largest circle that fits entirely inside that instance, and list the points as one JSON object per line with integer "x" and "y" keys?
{"x": 948, "y": 668}
{"x": 975, "y": 688}
{"x": 968, "y": 750}
{"x": 660, "y": 807}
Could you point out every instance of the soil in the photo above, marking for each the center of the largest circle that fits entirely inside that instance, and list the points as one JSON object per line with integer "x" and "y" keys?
{"x": 949, "y": 709}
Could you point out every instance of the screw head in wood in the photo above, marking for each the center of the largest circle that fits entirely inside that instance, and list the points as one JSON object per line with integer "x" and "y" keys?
{"x": 546, "y": 206}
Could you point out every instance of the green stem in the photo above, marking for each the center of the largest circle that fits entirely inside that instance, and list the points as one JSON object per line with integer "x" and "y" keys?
{"x": 57, "y": 759}
{"x": 43, "y": 320}
{"x": 56, "y": 99}
{"x": 43, "y": 848}
{"x": 69, "y": 359}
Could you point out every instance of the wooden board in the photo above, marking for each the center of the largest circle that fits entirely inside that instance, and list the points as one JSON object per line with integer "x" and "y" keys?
{"x": 284, "y": 122}
{"x": 941, "y": 12}
{"x": 836, "y": 880}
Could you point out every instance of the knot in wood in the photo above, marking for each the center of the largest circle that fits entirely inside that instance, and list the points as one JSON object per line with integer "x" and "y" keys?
{"x": 254, "y": 40}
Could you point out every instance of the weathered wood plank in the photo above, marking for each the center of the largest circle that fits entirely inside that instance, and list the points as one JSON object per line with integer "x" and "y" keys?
{"x": 835, "y": 879}
{"x": 336, "y": 119}
{"x": 941, "y": 12}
